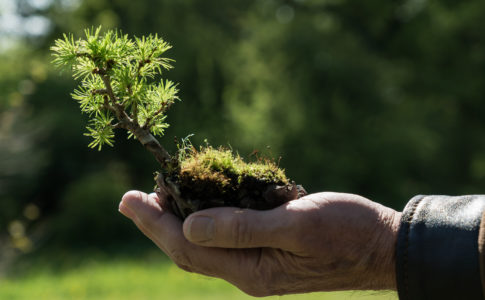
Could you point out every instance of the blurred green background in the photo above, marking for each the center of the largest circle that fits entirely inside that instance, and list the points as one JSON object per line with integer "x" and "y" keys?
{"x": 379, "y": 98}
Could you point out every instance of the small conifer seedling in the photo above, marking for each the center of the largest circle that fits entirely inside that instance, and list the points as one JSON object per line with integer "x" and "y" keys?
{"x": 121, "y": 88}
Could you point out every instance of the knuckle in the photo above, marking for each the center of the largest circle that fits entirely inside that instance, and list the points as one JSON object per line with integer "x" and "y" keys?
{"x": 255, "y": 288}
{"x": 297, "y": 233}
{"x": 181, "y": 259}
{"x": 152, "y": 222}
{"x": 306, "y": 221}
{"x": 241, "y": 233}
{"x": 261, "y": 281}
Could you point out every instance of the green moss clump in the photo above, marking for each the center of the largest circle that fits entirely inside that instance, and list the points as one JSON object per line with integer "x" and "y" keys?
{"x": 224, "y": 167}
{"x": 219, "y": 177}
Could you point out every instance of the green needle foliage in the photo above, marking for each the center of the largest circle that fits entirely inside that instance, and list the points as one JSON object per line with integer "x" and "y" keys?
{"x": 121, "y": 87}
{"x": 120, "y": 84}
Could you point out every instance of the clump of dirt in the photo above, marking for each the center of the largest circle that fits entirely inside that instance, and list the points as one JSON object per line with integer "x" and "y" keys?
{"x": 211, "y": 177}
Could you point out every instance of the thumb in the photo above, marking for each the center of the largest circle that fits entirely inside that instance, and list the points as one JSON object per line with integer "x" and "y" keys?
{"x": 230, "y": 227}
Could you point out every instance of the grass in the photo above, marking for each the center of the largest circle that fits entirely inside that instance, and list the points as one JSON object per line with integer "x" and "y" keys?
{"x": 144, "y": 277}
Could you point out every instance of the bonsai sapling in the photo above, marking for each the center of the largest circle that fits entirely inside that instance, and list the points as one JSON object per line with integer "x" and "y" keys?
{"x": 121, "y": 88}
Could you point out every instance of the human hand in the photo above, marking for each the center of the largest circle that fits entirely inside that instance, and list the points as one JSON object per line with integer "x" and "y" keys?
{"x": 320, "y": 242}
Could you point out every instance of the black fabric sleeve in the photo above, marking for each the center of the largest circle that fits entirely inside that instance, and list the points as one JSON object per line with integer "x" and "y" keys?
{"x": 437, "y": 248}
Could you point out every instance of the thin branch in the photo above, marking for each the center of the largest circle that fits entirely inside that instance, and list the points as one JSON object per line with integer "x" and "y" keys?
{"x": 109, "y": 89}
{"x": 135, "y": 113}
{"x": 99, "y": 92}
{"x": 120, "y": 110}
{"x": 119, "y": 125}
{"x": 165, "y": 106}
{"x": 107, "y": 106}
{"x": 142, "y": 134}
{"x": 142, "y": 63}
{"x": 152, "y": 145}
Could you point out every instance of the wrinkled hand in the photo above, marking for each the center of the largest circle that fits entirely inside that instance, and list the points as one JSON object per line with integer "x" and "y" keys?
{"x": 321, "y": 242}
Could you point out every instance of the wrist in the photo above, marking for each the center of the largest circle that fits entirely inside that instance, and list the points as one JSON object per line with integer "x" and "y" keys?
{"x": 385, "y": 262}
{"x": 391, "y": 283}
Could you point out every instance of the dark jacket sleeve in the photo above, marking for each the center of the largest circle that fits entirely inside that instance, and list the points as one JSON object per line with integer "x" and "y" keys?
{"x": 438, "y": 254}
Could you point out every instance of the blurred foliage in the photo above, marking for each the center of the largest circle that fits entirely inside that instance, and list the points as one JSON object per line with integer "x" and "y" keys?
{"x": 383, "y": 99}
{"x": 88, "y": 208}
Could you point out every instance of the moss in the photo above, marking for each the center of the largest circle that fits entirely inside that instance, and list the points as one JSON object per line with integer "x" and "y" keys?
{"x": 224, "y": 167}
{"x": 211, "y": 177}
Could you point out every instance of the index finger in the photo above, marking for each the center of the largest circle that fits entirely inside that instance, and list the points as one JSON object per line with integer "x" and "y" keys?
{"x": 165, "y": 230}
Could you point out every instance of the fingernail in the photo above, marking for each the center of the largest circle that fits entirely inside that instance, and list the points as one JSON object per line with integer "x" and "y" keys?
{"x": 201, "y": 229}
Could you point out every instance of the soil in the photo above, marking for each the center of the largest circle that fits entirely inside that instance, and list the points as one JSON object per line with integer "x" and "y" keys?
{"x": 187, "y": 195}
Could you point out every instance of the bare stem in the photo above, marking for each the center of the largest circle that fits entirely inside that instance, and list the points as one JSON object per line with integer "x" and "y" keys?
{"x": 152, "y": 145}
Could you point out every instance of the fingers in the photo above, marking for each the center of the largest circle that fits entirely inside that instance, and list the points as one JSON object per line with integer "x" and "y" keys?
{"x": 165, "y": 230}
{"x": 240, "y": 228}
{"x": 146, "y": 212}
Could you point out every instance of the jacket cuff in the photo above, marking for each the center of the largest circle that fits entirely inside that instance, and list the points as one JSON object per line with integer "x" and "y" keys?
{"x": 437, "y": 248}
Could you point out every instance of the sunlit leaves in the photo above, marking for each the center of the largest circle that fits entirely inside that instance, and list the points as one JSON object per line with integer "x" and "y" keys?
{"x": 89, "y": 95}
{"x": 149, "y": 53}
{"x": 65, "y": 51}
{"x": 101, "y": 130}
{"x": 83, "y": 68}
{"x": 158, "y": 98}
{"x": 116, "y": 71}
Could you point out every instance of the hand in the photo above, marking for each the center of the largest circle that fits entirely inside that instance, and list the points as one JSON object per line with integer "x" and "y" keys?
{"x": 321, "y": 242}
